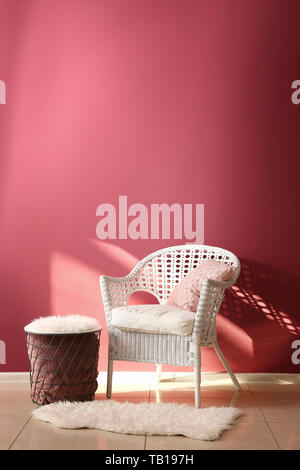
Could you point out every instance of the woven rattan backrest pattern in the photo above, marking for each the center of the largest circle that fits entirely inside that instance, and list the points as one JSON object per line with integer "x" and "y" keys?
{"x": 160, "y": 272}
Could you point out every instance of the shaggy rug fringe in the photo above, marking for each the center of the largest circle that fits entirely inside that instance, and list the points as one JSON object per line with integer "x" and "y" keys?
{"x": 141, "y": 418}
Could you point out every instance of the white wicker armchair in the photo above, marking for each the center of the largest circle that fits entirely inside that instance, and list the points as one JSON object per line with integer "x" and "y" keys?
{"x": 158, "y": 274}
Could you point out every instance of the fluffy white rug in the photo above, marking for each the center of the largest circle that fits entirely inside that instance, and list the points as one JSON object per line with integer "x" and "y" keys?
{"x": 140, "y": 418}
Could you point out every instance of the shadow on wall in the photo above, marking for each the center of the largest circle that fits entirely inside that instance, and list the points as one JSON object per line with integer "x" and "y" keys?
{"x": 259, "y": 319}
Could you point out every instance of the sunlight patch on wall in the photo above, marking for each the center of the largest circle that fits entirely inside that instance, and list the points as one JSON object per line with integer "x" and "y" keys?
{"x": 116, "y": 254}
{"x": 74, "y": 286}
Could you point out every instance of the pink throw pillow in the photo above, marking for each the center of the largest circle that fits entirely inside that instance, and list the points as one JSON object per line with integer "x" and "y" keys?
{"x": 186, "y": 294}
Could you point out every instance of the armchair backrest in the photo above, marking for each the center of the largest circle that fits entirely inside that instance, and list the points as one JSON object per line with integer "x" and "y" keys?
{"x": 159, "y": 272}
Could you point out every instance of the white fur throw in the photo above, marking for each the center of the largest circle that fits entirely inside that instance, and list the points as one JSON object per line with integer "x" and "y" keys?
{"x": 60, "y": 324}
{"x": 140, "y": 418}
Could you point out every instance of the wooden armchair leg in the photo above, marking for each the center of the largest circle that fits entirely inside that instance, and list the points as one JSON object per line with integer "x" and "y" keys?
{"x": 227, "y": 367}
{"x": 197, "y": 386}
{"x": 109, "y": 378}
{"x": 158, "y": 372}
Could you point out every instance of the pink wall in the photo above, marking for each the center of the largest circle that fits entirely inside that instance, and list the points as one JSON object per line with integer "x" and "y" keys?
{"x": 163, "y": 101}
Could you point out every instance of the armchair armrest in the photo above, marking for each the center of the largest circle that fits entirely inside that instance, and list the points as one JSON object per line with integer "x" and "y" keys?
{"x": 115, "y": 292}
{"x": 211, "y": 297}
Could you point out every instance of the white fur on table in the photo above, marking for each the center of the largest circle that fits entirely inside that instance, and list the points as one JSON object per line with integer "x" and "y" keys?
{"x": 63, "y": 324}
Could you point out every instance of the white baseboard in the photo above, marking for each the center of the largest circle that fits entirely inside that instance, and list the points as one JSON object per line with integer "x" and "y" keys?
{"x": 14, "y": 376}
{"x": 147, "y": 377}
{"x": 244, "y": 377}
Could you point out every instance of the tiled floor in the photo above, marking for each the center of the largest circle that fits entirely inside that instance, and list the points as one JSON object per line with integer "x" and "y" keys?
{"x": 270, "y": 403}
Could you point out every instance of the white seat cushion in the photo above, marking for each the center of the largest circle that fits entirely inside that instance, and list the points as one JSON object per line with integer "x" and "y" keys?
{"x": 164, "y": 319}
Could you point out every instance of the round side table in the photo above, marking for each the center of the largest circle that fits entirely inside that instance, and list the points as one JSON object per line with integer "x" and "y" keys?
{"x": 63, "y": 365}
